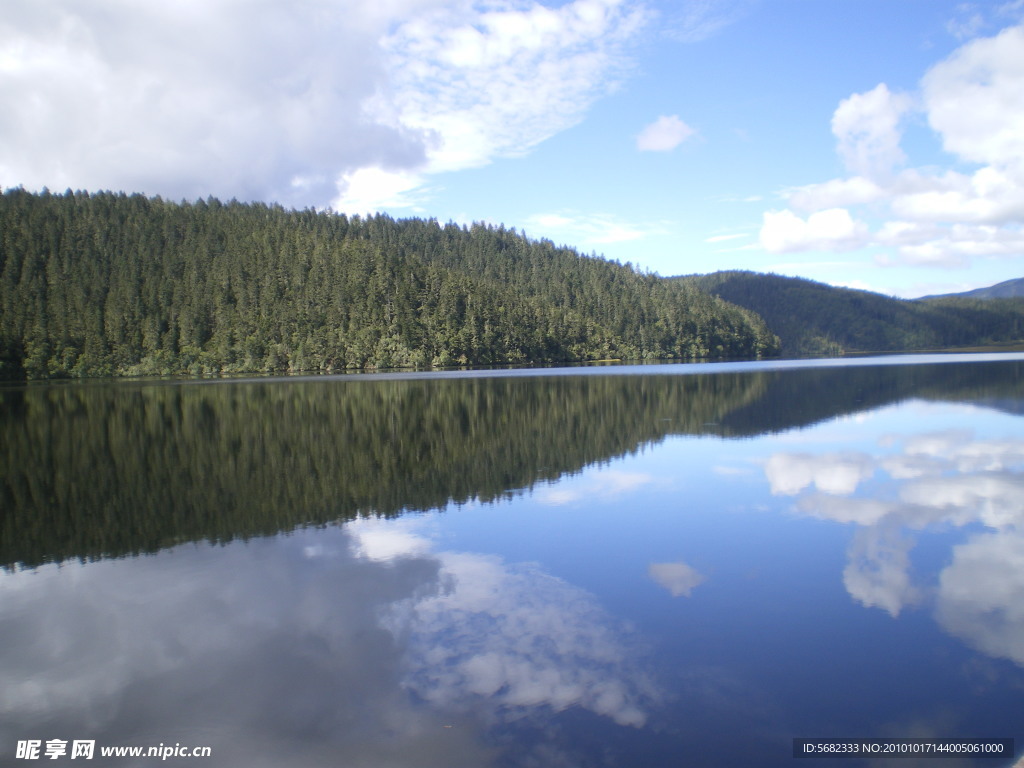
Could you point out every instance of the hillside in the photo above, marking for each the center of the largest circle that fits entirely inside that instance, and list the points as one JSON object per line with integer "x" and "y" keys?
{"x": 812, "y": 318}
{"x": 1008, "y": 289}
{"x": 112, "y": 284}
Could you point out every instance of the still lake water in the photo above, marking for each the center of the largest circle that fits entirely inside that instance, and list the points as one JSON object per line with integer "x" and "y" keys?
{"x": 670, "y": 565}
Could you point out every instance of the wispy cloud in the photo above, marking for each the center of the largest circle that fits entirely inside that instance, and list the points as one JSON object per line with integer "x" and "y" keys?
{"x": 971, "y": 19}
{"x": 603, "y": 484}
{"x": 481, "y": 81}
{"x": 725, "y": 238}
{"x": 698, "y": 20}
{"x": 589, "y": 230}
{"x": 741, "y": 199}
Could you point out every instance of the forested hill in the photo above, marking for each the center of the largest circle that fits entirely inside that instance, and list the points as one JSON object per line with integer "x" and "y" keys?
{"x": 112, "y": 284}
{"x": 1008, "y": 289}
{"x": 814, "y": 318}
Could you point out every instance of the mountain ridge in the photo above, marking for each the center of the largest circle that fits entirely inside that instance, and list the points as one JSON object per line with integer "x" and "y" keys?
{"x": 1008, "y": 289}
{"x": 812, "y": 318}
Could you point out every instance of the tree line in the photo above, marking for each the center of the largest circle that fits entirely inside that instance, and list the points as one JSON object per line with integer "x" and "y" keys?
{"x": 812, "y": 318}
{"x": 101, "y": 284}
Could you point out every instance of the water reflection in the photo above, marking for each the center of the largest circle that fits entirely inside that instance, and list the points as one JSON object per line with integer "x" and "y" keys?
{"x": 108, "y": 469}
{"x": 502, "y": 638}
{"x": 678, "y": 578}
{"x": 265, "y": 647}
{"x": 357, "y": 646}
{"x": 601, "y": 574}
{"x": 913, "y": 484}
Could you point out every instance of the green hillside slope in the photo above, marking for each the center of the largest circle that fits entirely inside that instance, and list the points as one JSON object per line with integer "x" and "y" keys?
{"x": 814, "y": 318}
{"x": 1008, "y": 289}
{"x": 111, "y": 284}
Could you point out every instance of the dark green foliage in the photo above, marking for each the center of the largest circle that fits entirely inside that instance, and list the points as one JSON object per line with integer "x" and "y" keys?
{"x": 814, "y": 319}
{"x": 111, "y": 284}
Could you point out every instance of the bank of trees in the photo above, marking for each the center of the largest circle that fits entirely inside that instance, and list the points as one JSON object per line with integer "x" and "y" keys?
{"x": 814, "y": 318}
{"x": 114, "y": 284}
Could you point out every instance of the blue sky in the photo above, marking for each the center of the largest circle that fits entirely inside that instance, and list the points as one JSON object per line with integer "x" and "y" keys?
{"x": 868, "y": 143}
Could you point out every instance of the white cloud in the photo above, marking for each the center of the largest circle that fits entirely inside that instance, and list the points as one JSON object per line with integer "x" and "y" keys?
{"x": 981, "y": 594}
{"x": 308, "y": 102}
{"x": 317, "y": 622}
{"x": 974, "y": 101}
{"x": 588, "y": 230}
{"x": 372, "y": 188}
{"x": 664, "y": 134}
{"x": 868, "y": 130}
{"x": 258, "y": 99}
{"x": 505, "y": 638}
{"x": 934, "y": 479}
{"x": 598, "y": 485}
{"x": 988, "y": 196}
{"x": 486, "y": 81}
{"x": 995, "y": 499}
{"x": 908, "y": 467}
{"x": 831, "y": 229}
{"x": 967, "y": 23}
{"x": 877, "y": 573}
{"x": 385, "y": 543}
{"x": 836, "y": 193}
{"x": 86, "y": 643}
{"x": 698, "y": 20}
{"x": 835, "y": 473}
{"x": 847, "y": 510}
{"x": 724, "y": 238}
{"x": 858, "y": 285}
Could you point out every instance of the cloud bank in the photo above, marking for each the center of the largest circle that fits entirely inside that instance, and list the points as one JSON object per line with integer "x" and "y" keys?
{"x": 306, "y": 103}
{"x": 974, "y": 102}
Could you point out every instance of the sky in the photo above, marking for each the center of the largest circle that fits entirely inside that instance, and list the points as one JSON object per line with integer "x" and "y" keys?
{"x": 866, "y": 143}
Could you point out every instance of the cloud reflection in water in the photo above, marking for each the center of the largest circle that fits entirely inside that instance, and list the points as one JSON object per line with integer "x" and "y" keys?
{"x": 931, "y": 481}
{"x": 679, "y": 578}
{"x": 304, "y": 649}
{"x": 502, "y": 639}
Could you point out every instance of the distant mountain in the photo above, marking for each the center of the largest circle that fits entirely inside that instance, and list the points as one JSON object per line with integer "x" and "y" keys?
{"x": 812, "y": 318}
{"x": 1008, "y": 289}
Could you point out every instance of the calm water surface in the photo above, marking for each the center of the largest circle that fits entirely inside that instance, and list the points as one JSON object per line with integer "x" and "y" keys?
{"x": 652, "y": 566}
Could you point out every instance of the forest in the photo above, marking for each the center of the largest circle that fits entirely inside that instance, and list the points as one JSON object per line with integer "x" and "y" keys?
{"x": 110, "y": 284}
{"x": 812, "y": 318}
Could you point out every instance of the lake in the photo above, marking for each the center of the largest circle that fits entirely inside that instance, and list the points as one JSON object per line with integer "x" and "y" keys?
{"x": 664, "y": 565}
